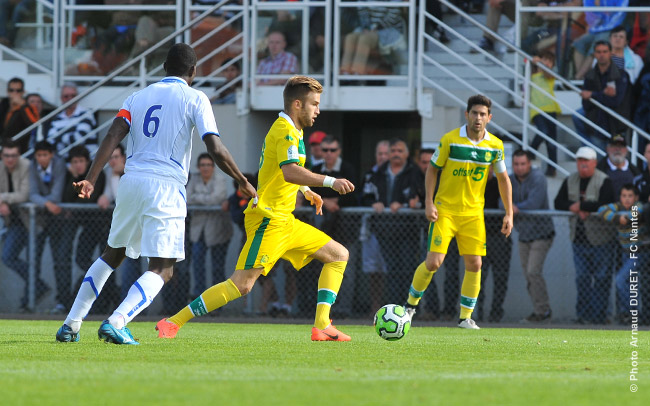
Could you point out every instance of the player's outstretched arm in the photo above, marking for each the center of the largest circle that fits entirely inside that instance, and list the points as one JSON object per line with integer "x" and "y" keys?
{"x": 505, "y": 190}
{"x": 119, "y": 129}
{"x": 304, "y": 177}
{"x": 226, "y": 163}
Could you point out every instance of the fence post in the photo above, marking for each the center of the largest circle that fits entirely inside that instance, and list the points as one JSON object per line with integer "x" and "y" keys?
{"x": 31, "y": 280}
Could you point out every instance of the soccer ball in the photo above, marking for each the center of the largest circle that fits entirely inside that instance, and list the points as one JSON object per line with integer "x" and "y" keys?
{"x": 392, "y": 322}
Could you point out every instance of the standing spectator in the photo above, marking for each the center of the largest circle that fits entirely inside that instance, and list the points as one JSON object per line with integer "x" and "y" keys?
{"x": 227, "y": 92}
{"x": 623, "y": 214}
{"x": 26, "y": 115}
{"x": 14, "y": 189}
{"x": 582, "y": 193}
{"x": 13, "y": 102}
{"x": 548, "y": 105}
{"x": 209, "y": 229}
{"x": 72, "y": 124}
{"x": 622, "y": 55}
{"x": 278, "y": 62}
{"x": 498, "y": 253}
{"x": 642, "y": 181}
{"x": 372, "y": 260}
{"x": 316, "y": 156}
{"x": 600, "y": 24}
{"x": 616, "y": 166}
{"x": 46, "y": 181}
{"x": 395, "y": 183}
{"x": 608, "y": 85}
{"x": 329, "y": 222}
{"x": 536, "y": 233}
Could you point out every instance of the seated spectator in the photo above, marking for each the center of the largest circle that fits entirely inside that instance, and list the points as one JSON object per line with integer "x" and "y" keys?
{"x": 381, "y": 30}
{"x": 609, "y": 86}
{"x": 600, "y": 24}
{"x": 546, "y": 81}
{"x": 623, "y": 214}
{"x": 72, "y": 124}
{"x": 46, "y": 180}
{"x": 616, "y": 165}
{"x": 278, "y": 61}
{"x": 227, "y": 92}
{"x": 13, "y": 102}
{"x": 14, "y": 189}
{"x": 208, "y": 229}
{"x": 28, "y": 114}
{"x": 582, "y": 193}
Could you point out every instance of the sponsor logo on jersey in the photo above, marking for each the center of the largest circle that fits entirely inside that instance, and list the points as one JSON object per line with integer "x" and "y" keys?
{"x": 292, "y": 153}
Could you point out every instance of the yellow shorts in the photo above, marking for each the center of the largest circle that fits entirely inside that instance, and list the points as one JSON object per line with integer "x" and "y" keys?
{"x": 468, "y": 230}
{"x": 269, "y": 239}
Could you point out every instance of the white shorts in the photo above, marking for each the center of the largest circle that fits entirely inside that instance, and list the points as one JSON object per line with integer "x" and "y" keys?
{"x": 149, "y": 217}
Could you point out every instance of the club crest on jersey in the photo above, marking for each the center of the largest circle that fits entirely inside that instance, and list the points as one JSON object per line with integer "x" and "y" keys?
{"x": 437, "y": 240}
{"x": 488, "y": 156}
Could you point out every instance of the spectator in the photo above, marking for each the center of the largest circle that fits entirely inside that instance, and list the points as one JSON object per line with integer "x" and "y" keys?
{"x": 536, "y": 233}
{"x": 642, "y": 181}
{"x": 330, "y": 223}
{"x": 622, "y": 55}
{"x": 600, "y": 24}
{"x": 14, "y": 189}
{"x": 13, "y": 102}
{"x": 424, "y": 160}
{"x": 507, "y": 7}
{"x": 316, "y": 156}
{"x": 27, "y": 115}
{"x": 548, "y": 105}
{"x": 623, "y": 214}
{"x": 372, "y": 260}
{"x": 227, "y": 92}
{"x": 46, "y": 180}
{"x": 583, "y": 193}
{"x": 616, "y": 166}
{"x": 641, "y": 98}
{"x": 72, "y": 125}
{"x": 209, "y": 229}
{"x": 498, "y": 253}
{"x": 608, "y": 85}
{"x": 278, "y": 61}
{"x": 237, "y": 203}
{"x": 432, "y": 28}
{"x": 381, "y": 29}
{"x": 394, "y": 185}
{"x": 130, "y": 268}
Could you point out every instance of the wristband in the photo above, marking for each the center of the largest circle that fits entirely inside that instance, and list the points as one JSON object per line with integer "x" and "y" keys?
{"x": 328, "y": 181}
{"x": 304, "y": 189}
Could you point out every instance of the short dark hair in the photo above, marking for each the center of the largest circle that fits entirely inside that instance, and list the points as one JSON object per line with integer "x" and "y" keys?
{"x": 396, "y": 140}
{"x": 297, "y": 88}
{"x": 227, "y": 61}
{"x": 521, "y": 152}
{"x": 630, "y": 186}
{"x": 204, "y": 155}
{"x": 618, "y": 28}
{"x": 427, "y": 151}
{"x": 9, "y": 143}
{"x": 546, "y": 54}
{"x": 180, "y": 59}
{"x": 603, "y": 42}
{"x": 16, "y": 80}
{"x": 33, "y": 95}
{"x": 479, "y": 100}
{"x": 330, "y": 139}
{"x": 43, "y": 146}
{"x": 121, "y": 148}
{"x": 79, "y": 151}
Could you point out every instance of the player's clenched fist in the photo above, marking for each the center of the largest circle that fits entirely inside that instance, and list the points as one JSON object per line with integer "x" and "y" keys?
{"x": 343, "y": 186}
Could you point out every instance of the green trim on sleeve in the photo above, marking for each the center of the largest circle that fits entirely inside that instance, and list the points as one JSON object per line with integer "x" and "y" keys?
{"x": 289, "y": 161}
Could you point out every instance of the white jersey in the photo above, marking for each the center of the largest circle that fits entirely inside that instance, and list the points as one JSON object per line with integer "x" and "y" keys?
{"x": 162, "y": 117}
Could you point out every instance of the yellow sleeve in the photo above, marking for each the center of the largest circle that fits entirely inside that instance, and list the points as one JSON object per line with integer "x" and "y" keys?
{"x": 439, "y": 158}
{"x": 287, "y": 150}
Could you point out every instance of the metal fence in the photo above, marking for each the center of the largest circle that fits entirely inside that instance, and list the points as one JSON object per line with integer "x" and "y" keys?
{"x": 52, "y": 253}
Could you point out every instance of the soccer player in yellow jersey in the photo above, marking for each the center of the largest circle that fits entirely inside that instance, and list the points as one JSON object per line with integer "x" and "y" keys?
{"x": 272, "y": 232}
{"x": 464, "y": 157}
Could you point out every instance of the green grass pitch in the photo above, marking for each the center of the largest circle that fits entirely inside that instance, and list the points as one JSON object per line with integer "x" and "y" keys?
{"x": 266, "y": 364}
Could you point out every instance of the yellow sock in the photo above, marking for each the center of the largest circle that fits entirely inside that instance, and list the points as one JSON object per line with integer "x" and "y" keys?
{"x": 421, "y": 281}
{"x": 469, "y": 293}
{"x": 329, "y": 284}
{"x": 213, "y": 298}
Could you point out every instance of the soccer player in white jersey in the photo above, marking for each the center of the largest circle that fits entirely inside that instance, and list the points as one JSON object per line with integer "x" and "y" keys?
{"x": 150, "y": 210}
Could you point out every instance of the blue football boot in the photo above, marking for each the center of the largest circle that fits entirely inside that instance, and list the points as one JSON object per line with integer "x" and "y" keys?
{"x": 65, "y": 335}
{"x": 110, "y": 334}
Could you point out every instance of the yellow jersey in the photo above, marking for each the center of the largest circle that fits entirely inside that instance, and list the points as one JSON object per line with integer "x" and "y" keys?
{"x": 537, "y": 98}
{"x": 283, "y": 145}
{"x": 465, "y": 165}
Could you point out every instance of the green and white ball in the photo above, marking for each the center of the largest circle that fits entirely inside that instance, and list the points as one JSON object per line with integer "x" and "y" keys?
{"x": 392, "y": 322}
